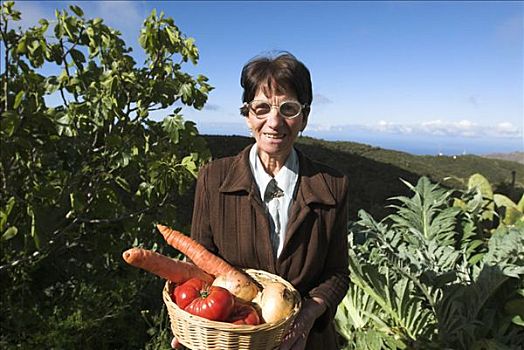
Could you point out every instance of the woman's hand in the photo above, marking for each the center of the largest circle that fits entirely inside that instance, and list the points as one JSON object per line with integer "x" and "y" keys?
{"x": 175, "y": 344}
{"x": 297, "y": 336}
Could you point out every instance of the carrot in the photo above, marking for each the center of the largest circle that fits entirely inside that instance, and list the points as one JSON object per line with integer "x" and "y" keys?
{"x": 234, "y": 280}
{"x": 200, "y": 256}
{"x": 177, "y": 271}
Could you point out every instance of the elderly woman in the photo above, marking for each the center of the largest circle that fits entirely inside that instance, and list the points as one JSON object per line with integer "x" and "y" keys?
{"x": 272, "y": 208}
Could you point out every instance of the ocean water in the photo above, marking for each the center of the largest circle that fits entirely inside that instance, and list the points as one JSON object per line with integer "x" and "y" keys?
{"x": 435, "y": 145}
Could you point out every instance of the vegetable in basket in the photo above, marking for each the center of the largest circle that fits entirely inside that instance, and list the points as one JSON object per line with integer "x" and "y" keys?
{"x": 275, "y": 301}
{"x": 201, "y": 299}
{"x": 244, "y": 314}
{"x": 234, "y": 280}
{"x": 174, "y": 270}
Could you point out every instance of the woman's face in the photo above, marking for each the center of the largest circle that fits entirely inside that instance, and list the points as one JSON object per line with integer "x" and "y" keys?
{"x": 275, "y": 135}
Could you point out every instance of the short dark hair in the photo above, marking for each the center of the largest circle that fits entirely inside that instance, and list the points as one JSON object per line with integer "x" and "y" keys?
{"x": 283, "y": 71}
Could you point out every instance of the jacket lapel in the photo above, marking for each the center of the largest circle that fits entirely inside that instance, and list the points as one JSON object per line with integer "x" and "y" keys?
{"x": 239, "y": 179}
{"x": 312, "y": 189}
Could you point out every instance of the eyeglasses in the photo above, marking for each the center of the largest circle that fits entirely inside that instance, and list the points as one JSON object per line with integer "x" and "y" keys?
{"x": 287, "y": 109}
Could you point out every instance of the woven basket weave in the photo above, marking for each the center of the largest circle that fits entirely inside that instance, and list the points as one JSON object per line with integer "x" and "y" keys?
{"x": 198, "y": 333}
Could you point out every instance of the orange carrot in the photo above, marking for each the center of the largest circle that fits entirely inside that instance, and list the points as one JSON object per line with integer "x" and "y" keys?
{"x": 234, "y": 280}
{"x": 177, "y": 271}
{"x": 200, "y": 256}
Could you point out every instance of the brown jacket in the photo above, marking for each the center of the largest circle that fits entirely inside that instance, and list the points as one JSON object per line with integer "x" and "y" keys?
{"x": 229, "y": 219}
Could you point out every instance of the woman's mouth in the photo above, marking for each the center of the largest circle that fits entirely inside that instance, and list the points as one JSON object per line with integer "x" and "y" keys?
{"x": 274, "y": 136}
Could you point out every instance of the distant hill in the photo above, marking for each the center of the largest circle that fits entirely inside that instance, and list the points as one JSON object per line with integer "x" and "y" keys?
{"x": 375, "y": 173}
{"x": 513, "y": 156}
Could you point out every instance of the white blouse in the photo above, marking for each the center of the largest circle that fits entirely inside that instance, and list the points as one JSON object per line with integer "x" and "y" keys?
{"x": 278, "y": 206}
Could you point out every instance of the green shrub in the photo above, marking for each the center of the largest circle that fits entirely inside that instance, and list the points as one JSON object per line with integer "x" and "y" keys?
{"x": 434, "y": 275}
{"x": 87, "y": 176}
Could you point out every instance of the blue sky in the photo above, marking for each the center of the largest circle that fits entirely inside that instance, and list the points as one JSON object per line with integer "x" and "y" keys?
{"x": 418, "y": 76}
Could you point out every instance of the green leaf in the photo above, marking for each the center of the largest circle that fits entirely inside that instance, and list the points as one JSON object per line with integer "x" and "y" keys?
{"x": 51, "y": 85}
{"x": 69, "y": 27}
{"x": 78, "y": 56}
{"x": 123, "y": 183}
{"x": 482, "y": 184}
{"x": 171, "y": 125}
{"x": 189, "y": 163}
{"x": 59, "y": 29}
{"x": 4, "y": 213}
{"x": 21, "y": 48}
{"x": 520, "y": 204}
{"x": 33, "y": 231}
{"x": 9, "y": 233}
{"x": 173, "y": 35}
{"x": 511, "y": 211}
{"x": 9, "y": 122}
{"x": 18, "y": 99}
{"x": 503, "y": 201}
{"x": 63, "y": 125}
{"x": 518, "y": 320}
{"x": 33, "y": 46}
{"x": 77, "y": 10}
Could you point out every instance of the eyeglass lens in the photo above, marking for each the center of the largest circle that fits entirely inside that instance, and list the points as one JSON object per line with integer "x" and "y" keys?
{"x": 287, "y": 109}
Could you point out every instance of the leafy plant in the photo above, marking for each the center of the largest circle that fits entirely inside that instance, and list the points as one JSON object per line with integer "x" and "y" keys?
{"x": 429, "y": 276}
{"x": 85, "y": 172}
{"x": 493, "y": 207}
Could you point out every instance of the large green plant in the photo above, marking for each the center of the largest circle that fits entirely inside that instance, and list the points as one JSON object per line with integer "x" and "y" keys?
{"x": 432, "y": 275}
{"x": 84, "y": 172}
{"x": 493, "y": 209}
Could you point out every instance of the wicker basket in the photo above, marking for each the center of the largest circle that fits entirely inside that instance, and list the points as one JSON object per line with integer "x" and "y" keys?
{"x": 198, "y": 333}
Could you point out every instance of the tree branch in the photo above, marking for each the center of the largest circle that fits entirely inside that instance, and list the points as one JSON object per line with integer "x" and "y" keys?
{"x": 6, "y": 65}
{"x": 67, "y": 69}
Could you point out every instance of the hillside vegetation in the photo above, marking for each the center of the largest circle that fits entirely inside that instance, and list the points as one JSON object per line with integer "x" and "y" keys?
{"x": 375, "y": 172}
{"x": 513, "y": 156}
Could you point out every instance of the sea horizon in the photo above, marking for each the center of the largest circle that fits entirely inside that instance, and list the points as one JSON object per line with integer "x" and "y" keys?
{"x": 432, "y": 145}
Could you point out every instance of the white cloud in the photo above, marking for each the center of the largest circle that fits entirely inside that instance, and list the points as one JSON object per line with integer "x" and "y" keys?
{"x": 438, "y": 127}
{"x": 319, "y": 127}
{"x": 508, "y": 129}
{"x": 393, "y": 128}
{"x": 462, "y": 128}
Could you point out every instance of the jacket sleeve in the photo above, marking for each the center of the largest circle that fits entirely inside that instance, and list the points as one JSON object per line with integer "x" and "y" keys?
{"x": 336, "y": 272}
{"x": 200, "y": 223}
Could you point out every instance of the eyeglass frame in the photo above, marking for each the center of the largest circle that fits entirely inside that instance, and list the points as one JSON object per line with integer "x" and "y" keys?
{"x": 246, "y": 107}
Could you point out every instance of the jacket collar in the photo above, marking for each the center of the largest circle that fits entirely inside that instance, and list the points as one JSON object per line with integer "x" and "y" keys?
{"x": 313, "y": 186}
{"x": 239, "y": 177}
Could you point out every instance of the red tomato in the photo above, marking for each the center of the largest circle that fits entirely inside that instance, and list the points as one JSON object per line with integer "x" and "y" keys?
{"x": 214, "y": 303}
{"x": 188, "y": 291}
{"x": 244, "y": 313}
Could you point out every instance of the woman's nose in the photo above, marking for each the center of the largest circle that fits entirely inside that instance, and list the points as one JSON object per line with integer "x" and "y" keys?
{"x": 274, "y": 118}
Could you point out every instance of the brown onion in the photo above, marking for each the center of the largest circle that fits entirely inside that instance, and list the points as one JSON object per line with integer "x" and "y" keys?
{"x": 239, "y": 284}
{"x": 276, "y": 302}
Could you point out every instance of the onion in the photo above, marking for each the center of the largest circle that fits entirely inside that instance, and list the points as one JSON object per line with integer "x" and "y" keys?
{"x": 239, "y": 284}
{"x": 276, "y": 302}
